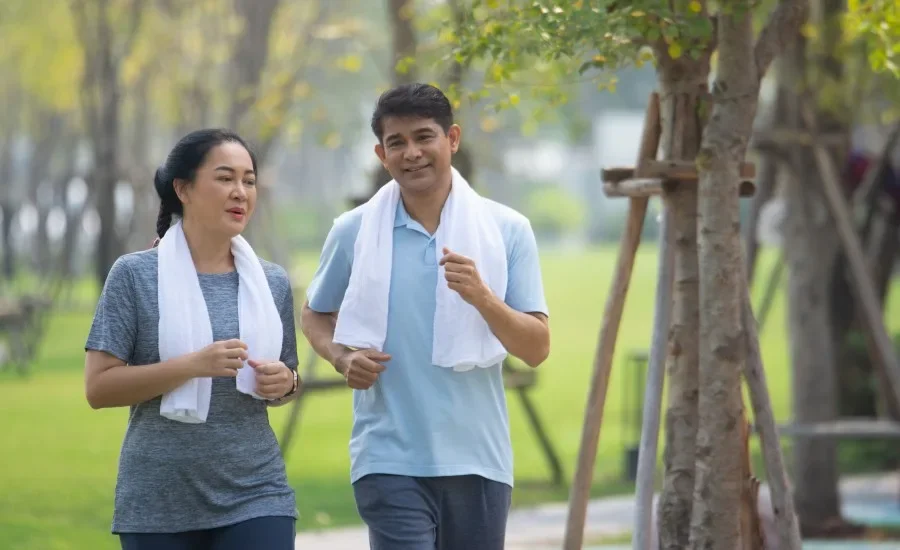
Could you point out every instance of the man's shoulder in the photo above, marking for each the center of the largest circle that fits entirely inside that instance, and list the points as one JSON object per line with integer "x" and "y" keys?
{"x": 346, "y": 226}
{"x": 507, "y": 217}
{"x": 513, "y": 225}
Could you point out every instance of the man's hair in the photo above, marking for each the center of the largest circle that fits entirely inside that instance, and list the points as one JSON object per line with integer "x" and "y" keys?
{"x": 412, "y": 100}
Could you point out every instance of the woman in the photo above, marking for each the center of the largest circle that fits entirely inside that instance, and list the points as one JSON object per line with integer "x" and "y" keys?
{"x": 197, "y": 337}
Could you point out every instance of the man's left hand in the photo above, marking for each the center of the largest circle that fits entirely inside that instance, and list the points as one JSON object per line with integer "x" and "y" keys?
{"x": 273, "y": 379}
{"x": 462, "y": 276}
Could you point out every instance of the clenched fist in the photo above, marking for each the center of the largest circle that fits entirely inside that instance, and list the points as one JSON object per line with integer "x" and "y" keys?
{"x": 462, "y": 276}
{"x": 222, "y": 358}
{"x": 273, "y": 378}
{"x": 362, "y": 367}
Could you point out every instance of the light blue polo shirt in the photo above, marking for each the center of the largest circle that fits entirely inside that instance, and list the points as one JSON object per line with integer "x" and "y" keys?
{"x": 419, "y": 419}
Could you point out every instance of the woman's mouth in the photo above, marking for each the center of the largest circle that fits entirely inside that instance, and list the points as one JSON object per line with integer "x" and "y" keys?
{"x": 417, "y": 168}
{"x": 237, "y": 213}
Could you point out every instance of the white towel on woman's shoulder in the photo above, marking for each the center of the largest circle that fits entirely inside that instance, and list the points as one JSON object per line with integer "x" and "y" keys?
{"x": 462, "y": 338}
{"x": 184, "y": 324}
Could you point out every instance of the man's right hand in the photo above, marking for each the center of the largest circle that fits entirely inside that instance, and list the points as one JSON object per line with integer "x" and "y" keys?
{"x": 361, "y": 367}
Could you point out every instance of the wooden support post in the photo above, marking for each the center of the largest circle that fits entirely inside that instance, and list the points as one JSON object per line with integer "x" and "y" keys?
{"x": 653, "y": 392}
{"x": 786, "y": 525}
{"x": 593, "y": 416}
{"x": 862, "y": 283}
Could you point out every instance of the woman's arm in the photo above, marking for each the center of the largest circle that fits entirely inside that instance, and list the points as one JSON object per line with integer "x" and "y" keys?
{"x": 109, "y": 382}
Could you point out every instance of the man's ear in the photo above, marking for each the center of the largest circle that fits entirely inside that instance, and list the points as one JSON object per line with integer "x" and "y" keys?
{"x": 454, "y": 134}
{"x": 379, "y": 150}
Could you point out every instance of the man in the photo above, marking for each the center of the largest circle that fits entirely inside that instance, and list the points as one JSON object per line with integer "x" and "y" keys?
{"x": 431, "y": 458}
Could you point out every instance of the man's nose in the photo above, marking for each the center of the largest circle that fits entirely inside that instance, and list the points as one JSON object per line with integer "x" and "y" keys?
{"x": 412, "y": 152}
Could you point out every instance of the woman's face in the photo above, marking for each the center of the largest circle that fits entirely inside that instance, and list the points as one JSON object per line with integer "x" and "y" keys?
{"x": 223, "y": 194}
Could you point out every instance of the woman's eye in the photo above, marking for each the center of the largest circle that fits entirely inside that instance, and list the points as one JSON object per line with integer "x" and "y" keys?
{"x": 250, "y": 182}
{"x": 225, "y": 179}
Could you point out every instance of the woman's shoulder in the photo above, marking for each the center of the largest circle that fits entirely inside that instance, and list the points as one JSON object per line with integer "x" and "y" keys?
{"x": 141, "y": 260}
{"x": 278, "y": 277}
{"x": 134, "y": 265}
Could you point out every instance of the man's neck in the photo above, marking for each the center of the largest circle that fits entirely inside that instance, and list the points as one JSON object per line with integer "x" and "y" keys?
{"x": 426, "y": 207}
{"x": 210, "y": 253}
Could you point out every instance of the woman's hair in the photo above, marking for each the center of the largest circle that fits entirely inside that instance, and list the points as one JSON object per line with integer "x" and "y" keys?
{"x": 182, "y": 163}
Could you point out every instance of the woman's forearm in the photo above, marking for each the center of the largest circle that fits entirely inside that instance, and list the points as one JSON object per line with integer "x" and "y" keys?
{"x": 123, "y": 385}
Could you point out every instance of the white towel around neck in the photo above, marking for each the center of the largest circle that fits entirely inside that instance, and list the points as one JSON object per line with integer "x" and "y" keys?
{"x": 462, "y": 338}
{"x": 184, "y": 324}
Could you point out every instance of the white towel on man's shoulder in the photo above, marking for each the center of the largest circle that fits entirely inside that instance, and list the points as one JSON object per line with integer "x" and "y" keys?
{"x": 184, "y": 324}
{"x": 462, "y": 338}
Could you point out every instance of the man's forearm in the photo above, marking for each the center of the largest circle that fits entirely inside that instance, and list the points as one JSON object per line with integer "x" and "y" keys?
{"x": 523, "y": 335}
{"x": 319, "y": 331}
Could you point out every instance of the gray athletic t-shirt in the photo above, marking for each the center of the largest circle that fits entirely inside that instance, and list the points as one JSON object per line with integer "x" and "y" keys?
{"x": 175, "y": 476}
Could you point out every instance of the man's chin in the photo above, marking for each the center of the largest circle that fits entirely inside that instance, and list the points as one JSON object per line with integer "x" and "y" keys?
{"x": 415, "y": 184}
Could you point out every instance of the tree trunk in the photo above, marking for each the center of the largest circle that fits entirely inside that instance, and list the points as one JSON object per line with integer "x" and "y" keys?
{"x": 7, "y": 202}
{"x": 403, "y": 45}
{"x": 811, "y": 249}
{"x": 766, "y": 190}
{"x": 141, "y": 169}
{"x": 48, "y": 136}
{"x": 106, "y": 146}
{"x": 249, "y": 58}
{"x": 9, "y": 254}
{"x": 683, "y": 88}
{"x": 719, "y": 484}
{"x": 810, "y": 243}
{"x": 404, "y": 42}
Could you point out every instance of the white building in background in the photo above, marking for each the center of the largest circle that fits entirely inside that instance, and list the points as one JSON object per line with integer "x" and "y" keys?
{"x": 617, "y": 136}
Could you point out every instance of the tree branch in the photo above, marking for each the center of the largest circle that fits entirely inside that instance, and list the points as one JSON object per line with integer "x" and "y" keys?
{"x": 783, "y": 24}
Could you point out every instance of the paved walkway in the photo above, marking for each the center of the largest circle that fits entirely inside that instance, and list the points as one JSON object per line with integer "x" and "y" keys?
{"x": 543, "y": 527}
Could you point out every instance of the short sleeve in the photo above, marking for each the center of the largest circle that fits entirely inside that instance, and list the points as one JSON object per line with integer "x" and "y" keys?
{"x": 114, "y": 328}
{"x": 525, "y": 288}
{"x": 289, "y": 346}
{"x": 329, "y": 283}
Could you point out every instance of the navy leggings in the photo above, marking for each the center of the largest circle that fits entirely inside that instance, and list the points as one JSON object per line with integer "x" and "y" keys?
{"x": 271, "y": 533}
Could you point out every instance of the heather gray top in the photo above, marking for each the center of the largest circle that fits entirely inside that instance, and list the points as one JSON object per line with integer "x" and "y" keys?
{"x": 175, "y": 476}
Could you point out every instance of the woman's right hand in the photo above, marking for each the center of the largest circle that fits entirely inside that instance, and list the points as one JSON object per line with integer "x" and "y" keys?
{"x": 220, "y": 359}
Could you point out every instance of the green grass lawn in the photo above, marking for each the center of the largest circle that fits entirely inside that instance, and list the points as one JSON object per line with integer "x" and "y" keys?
{"x": 59, "y": 456}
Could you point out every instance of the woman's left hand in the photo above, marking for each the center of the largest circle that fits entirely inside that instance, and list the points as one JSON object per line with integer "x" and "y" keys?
{"x": 273, "y": 379}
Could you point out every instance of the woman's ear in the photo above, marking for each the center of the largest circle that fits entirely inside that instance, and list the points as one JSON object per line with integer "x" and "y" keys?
{"x": 180, "y": 187}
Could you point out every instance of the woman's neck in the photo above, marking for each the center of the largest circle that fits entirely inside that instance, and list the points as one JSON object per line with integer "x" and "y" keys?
{"x": 211, "y": 253}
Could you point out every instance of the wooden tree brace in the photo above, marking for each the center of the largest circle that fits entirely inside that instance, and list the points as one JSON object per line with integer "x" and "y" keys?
{"x": 652, "y": 177}
{"x": 649, "y": 187}
{"x": 676, "y": 170}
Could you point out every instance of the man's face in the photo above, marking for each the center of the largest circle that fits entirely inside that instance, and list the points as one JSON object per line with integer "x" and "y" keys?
{"x": 417, "y": 152}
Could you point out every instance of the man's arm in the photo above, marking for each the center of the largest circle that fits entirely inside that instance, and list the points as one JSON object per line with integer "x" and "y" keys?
{"x": 524, "y": 335}
{"x": 319, "y": 331}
